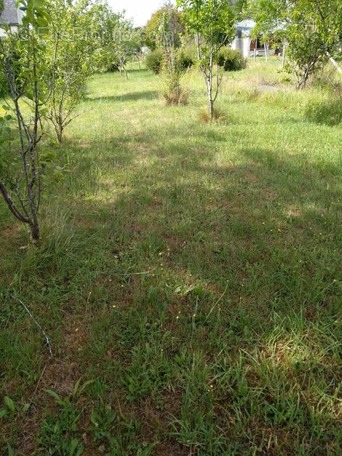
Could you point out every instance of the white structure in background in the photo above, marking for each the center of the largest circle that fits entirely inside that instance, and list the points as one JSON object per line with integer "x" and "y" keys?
{"x": 242, "y": 42}
{"x": 247, "y": 45}
{"x": 10, "y": 16}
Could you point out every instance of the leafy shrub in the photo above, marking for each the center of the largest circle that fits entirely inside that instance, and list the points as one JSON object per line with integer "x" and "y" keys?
{"x": 116, "y": 63}
{"x": 187, "y": 57}
{"x": 173, "y": 93}
{"x": 113, "y": 67}
{"x": 154, "y": 61}
{"x": 230, "y": 59}
{"x": 3, "y": 85}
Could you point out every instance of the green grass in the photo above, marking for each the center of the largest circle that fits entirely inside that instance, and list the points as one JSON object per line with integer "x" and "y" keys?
{"x": 189, "y": 272}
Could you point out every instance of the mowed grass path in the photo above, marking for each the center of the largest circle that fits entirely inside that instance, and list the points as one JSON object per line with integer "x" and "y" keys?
{"x": 189, "y": 279}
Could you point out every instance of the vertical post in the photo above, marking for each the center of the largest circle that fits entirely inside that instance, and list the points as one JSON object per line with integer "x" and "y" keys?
{"x": 284, "y": 54}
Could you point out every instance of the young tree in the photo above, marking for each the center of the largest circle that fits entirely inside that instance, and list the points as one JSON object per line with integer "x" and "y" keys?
{"x": 84, "y": 36}
{"x": 157, "y": 22}
{"x": 117, "y": 39}
{"x": 312, "y": 29}
{"x": 212, "y": 22}
{"x": 168, "y": 41}
{"x": 73, "y": 52}
{"x": 23, "y": 66}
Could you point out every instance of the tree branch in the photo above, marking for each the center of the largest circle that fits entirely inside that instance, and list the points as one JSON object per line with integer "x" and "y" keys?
{"x": 11, "y": 204}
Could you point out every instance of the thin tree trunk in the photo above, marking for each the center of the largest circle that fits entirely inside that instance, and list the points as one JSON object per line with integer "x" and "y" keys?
{"x": 303, "y": 80}
{"x": 27, "y": 209}
{"x": 59, "y": 132}
{"x": 210, "y": 88}
{"x": 35, "y": 231}
{"x": 284, "y": 55}
{"x": 210, "y": 98}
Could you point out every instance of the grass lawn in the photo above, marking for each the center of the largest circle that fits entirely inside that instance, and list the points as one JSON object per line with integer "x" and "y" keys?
{"x": 189, "y": 278}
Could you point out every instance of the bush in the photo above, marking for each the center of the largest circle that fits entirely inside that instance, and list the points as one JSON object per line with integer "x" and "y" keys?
{"x": 154, "y": 61}
{"x": 113, "y": 67}
{"x": 187, "y": 57}
{"x": 230, "y": 60}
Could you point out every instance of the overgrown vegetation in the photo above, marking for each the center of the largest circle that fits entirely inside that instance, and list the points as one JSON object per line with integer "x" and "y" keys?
{"x": 230, "y": 59}
{"x": 173, "y": 93}
{"x": 154, "y": 61}
{"x": 311, "y": 29}
{"x": 189, "y": 283}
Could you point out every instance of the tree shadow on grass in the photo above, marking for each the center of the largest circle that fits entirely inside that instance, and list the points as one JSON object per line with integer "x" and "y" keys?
{"x": 224, "y": 212}
{"x": 227, "y": 258}
{"x": 269, "y": 226}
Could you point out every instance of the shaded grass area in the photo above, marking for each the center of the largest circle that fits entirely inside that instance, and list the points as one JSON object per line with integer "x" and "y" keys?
{"x": 189, "y": 279}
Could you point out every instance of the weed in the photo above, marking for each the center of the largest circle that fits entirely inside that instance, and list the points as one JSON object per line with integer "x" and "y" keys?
{"x": 175, "y": 94}
{"x": 219, "y": 116}
{"x": 59, "y": 432}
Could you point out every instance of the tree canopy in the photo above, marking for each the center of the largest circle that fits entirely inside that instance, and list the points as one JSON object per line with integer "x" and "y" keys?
{"x": 212, "y": 24}
{"x": 155, "y": 26}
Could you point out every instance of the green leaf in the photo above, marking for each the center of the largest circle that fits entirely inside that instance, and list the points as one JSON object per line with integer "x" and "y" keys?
{"x": 9, "y": 404}
{"x": 48, "y": 157}
{"x": 10, "y": 450}
{"x": 56, "y": 396}
{"x": 79, "y": 390}
{"x": 75, "y": 448}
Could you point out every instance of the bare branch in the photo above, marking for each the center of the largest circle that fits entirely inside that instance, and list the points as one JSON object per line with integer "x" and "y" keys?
{"x": 11, "y": 204}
